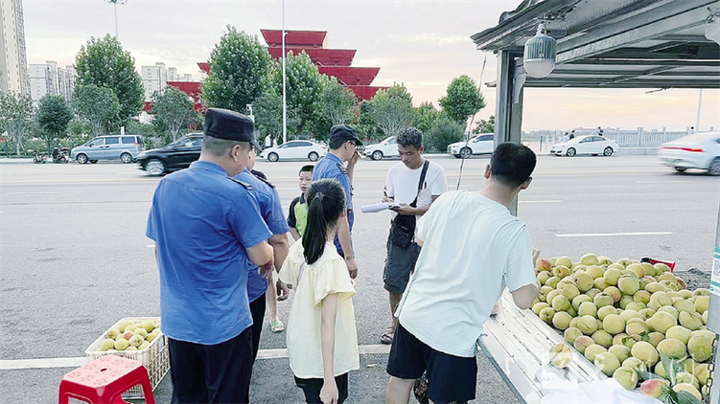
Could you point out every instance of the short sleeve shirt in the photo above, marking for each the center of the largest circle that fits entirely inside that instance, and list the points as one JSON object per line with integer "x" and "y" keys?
{"x": 297, "y": 214}
{"x": 328, "y": 275}
{"x": 402, "y": 184}
{"x": 472, "y": 247}
{"x": 272, "y": 213}
{"x": 331, "y": 166}
{"x": 202, "y": 222}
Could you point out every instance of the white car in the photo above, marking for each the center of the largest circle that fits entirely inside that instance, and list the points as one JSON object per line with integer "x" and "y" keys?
{"x": 296, "y": 149}
{"x": 593, "y": 144}
{"x": 386, "y": 148}
{"x": 700, "y": 150}
{"x": 480, "y": 144}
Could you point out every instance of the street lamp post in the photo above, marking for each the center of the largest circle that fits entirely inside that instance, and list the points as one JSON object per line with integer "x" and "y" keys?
{"x": 284, "y": 56}
{"x": 115, "y": 3}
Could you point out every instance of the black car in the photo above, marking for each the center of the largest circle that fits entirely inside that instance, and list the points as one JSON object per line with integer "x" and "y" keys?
{"x": 175, "y": 156}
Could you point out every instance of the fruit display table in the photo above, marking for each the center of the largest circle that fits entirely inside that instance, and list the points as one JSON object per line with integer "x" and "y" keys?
{"x": 517, "y": 342}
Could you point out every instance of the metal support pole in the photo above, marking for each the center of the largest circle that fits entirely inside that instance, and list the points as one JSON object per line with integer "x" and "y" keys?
{"x": 713, "y": 323}
{"x": 697, "y": 124}
{"x": 284, "y": 56}
{"x": 116, "y": 24}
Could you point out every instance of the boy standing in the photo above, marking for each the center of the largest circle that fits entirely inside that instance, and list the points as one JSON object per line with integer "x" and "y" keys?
{"x": 472, "y": 248}
{"x": 297, "y": 217}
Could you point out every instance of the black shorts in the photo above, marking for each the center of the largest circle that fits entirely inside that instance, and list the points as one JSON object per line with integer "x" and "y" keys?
{"x": 312, "y": 387}
{"x": 450, "y": 378}
{"x": 399, "y": 264}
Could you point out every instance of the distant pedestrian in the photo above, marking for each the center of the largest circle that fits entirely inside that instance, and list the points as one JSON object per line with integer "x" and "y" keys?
{"x": 343, "y": 148}
{"x": 472, "y": 248}
{"x": 600, "y": 131}
{"x": 321, "y": 334}
{"x": 413, "y": 184}
{"x": 572, "y": 135}
{"x": 207, "y": 226}
{"x": 566, "y": 137}
{"x": 297, "y": 215}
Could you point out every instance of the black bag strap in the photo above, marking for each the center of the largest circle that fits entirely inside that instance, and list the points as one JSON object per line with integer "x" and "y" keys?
{"x": 422, "y": 181}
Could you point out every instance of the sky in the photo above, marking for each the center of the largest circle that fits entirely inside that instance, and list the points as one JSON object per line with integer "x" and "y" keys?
{"x": 422, "y": 44}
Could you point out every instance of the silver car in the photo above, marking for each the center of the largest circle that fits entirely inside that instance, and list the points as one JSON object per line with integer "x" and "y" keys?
{"x": 123, "y": 147}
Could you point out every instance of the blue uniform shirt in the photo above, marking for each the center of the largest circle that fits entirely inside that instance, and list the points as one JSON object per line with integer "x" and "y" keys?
{"x": 272, "y": 212}
{"x": 331, "y": 166}
{"x": 202, "y": 222}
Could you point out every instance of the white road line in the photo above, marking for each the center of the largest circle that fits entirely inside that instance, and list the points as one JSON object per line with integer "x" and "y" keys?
{"x": 664, "y": 182}
{"x": 549, "y": 201}
{"x": 150, "y": 245}
{"x": 649, "y": 233}
{"x": 79, "y": 361}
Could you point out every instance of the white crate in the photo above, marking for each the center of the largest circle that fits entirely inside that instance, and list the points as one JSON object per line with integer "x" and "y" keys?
{"x": 155, "y": 357}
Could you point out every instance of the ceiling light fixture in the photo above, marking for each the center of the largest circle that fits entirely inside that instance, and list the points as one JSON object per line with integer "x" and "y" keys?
{"x": 539, "y": 55}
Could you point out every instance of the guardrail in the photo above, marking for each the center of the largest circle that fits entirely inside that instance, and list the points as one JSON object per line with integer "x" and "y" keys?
{"x": 625, "y": 137}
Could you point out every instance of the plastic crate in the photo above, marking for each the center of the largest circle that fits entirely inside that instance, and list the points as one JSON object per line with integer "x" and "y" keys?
{"x": 155, "y": 357}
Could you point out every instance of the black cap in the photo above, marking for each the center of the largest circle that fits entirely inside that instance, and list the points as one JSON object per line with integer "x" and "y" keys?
{"x": 344, "y": 132}
{"x": 230, "y": 125}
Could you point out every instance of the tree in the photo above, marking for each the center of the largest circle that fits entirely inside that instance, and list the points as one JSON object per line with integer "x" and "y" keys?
{"x": 239, "y": 71}
{"x": 392, "y": 109}
{"x": 104, "y": 64}
{"x": 366, "y": 127}
{"x": 337, "y": 103}
{"x": 53, "y": 116}
{"x": 485, "y": 126}
{"x": 443, "y": 132}
{"x": 80, "y": 130}
{"x": 463, "y": 99}
{"x": 174, "y": 113}
{"x": 15, "y": 116}
{"x": 268, "y": 114}
{"x": 99, "y": 105}
{"x": 425, "y": 117}
{"x": 304, "y": 85}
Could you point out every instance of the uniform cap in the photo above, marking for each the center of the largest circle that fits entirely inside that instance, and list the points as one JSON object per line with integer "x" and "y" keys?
{"x": 230, "y": 125}
{"x": 345, "y": 133}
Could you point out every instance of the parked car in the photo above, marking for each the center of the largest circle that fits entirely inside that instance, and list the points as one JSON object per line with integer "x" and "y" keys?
{"x": 296, "y": 149}
{"x": 700, "y": 150}
{"x": 593, "y": 144}
{"x": 123, "y": 147}
{"x": 386, "y": 148}
{"x": 480, "y": 144}
{"x": 175, "y": 156}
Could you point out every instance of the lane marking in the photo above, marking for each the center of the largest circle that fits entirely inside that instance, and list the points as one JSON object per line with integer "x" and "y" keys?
{"x": 549, "y": 201}
{"x": 649, "y": 233}
{"x": 664, "y": 182}
{"x": 46, "y": 363}
{"x": 150, "y": 245}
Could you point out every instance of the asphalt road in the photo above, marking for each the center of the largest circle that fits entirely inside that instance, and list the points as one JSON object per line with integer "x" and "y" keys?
{"x": 74, "y": 257}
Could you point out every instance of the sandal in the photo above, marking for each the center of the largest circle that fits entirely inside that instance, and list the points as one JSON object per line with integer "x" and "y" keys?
{"x": 277, "y": 326}
{"x": 387, "y": 336}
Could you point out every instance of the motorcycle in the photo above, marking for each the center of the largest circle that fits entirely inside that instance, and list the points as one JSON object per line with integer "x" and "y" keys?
{"x": 38, "y": 157}
{"x": 60, "y": 155}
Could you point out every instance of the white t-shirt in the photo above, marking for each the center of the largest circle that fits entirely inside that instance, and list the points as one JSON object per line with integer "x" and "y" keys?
{"x": 328, "y": 275}
{"x": 472, "y": 248}
{"x": 402, "y": 184}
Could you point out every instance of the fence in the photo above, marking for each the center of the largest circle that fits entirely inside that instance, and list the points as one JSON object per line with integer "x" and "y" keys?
{"x": 625, "y": 137}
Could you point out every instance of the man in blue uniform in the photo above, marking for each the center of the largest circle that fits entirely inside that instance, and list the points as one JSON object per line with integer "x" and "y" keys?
{"x": 272, "y": 212}
{"x": 343, "y": 148}
{"x": 207, "y": 229}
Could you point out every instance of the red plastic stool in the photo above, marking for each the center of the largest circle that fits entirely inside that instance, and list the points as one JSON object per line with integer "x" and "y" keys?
{"x": 103, "y": 381}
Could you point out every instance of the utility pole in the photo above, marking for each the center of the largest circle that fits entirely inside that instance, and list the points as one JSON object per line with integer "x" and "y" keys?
{"x": 284, "y": 56}
{"x": 115, "y": 4}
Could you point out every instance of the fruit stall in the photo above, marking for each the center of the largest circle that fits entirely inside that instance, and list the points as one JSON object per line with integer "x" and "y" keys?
{"x": 628, "y": 320}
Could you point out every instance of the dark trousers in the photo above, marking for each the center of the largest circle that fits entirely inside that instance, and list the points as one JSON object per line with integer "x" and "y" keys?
{"x": 257, "y": 310}
{"x": 212, "y": 373}
{"x": 311, "y": 388}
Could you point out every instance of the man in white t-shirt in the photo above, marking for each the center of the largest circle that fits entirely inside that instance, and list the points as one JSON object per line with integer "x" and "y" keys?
{"x": 472, "y": 248}
{"x": 402, "y": 187}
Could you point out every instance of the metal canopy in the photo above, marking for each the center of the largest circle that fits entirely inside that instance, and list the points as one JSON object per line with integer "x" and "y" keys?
{"x": 615, "y": 43}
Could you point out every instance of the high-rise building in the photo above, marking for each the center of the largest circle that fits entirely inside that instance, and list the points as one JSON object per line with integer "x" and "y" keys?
{"x": 47, "y": 78}
{"x": 157, "y": 78}
{"x": 13, "y": 57}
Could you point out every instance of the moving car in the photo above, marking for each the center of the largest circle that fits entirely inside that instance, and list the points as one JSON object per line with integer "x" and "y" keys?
{"x": 700, "y": 150}
{"x": 296, "y": 149}
{"x": 175, "y": 156}
{"x": 386, "y": 148}
{"x": 480, "y": 144}
{"x": 123, "y": 147}
{"x": 594, "y": 145}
